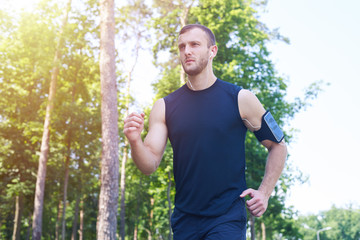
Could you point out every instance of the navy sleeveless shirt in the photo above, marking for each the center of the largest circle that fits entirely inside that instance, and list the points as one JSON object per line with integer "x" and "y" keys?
{"x": 208, "y": 140}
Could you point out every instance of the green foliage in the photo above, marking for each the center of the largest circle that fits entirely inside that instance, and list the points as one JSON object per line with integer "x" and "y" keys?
{"x": 26, "y": 66}
{"x": 169, "y": 82}
{"x": 27, "y": 53}
{"x": 344, "y": 224}
{"x": 27, "y": 48}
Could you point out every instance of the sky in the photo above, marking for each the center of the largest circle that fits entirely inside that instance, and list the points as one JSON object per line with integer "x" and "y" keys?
{"x": 324, "y": 46}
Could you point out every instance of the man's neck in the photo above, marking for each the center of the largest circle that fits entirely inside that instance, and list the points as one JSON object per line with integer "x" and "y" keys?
{"x": 201, "y": 81}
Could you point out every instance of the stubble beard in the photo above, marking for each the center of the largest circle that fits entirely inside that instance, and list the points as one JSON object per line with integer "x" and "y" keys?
{"x": 198, "y": 68}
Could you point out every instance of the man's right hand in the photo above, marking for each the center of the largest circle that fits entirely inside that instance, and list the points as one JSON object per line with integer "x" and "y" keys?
{"x": 133, "y": 126}
{"x": 147, "y": 154}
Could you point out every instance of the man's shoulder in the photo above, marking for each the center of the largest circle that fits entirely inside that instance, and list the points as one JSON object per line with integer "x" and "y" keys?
{"x": 228, "y": 86}
{"x": 246, "y": 96}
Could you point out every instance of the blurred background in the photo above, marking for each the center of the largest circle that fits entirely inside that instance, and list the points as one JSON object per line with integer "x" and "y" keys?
{"x": 299, "y": 57}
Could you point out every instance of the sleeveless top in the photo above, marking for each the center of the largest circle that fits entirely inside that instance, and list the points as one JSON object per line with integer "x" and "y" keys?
{"x": 208, "y": 140}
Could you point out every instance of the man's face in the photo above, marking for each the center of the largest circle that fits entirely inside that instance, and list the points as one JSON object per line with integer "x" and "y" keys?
{"x": 194, "y": 51}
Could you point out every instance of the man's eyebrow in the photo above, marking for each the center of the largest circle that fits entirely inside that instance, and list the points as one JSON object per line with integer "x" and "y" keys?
{"x": 191, "y": 42}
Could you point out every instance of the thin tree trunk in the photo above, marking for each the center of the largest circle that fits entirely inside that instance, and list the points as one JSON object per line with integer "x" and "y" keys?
{"x": 183, "y": 22}
{"x": 149, "y": 234}
{"x": 135, "y": 232}
{"x": 123, "y": 164}
{"x": 123, "y": 168}
{"x": 137, "y": 212}
{"x": 252, "y": 227}
{"x": 109, "y": 190}
{"x": 76, "y": 216}
{"x": 126, "y": 143}
{"x": 169, "y": 203}
{"x": 28, "y": 232}
{"x": 263, "y": 231}
{"x": 44, "y": 149}
{"x": 67, "y": 163}
{"x": 122, "y": 188}
{"x": 18, "y": 216}
{"x": 152, "y": 202}
{"x": 182, "y": 76}
{"x": 81, "y": 204}
{"x": 81, "y": 228}
{"x": 66, "y": 181}
{"x": 77, "y": 207}
{"x": 57, "y": 224}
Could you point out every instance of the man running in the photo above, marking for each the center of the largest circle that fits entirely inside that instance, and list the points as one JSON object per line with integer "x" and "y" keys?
{"x": 206, "y": 121}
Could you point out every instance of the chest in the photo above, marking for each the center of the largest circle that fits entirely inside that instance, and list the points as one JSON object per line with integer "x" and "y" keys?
{"x": 193, "y": 115}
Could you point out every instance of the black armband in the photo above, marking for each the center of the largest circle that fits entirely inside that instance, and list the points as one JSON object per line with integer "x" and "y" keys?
{"x": 269, "y": 129}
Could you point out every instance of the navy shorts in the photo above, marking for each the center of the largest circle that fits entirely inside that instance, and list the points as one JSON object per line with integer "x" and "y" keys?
{"x": 230, "y": 226}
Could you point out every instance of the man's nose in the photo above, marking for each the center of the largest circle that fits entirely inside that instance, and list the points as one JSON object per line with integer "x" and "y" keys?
{"x": 187, "y": 51}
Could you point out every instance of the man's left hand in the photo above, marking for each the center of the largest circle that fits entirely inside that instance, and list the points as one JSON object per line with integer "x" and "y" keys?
{"x": 258, "y": 203}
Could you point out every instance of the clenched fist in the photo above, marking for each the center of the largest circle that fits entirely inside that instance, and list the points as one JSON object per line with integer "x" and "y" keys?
{"x": 133, "y": 126}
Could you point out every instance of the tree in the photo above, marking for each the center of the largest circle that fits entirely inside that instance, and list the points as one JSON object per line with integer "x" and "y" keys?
{"x": 22, "y": 86}
{"x": 344, "y": 223}
{"x": 131, "y": 21}
{"x": 109, "y": 192}
{"x": 78, "y": 107}
{"x": 27, "y": 48}
{"x": 40, "y": 180}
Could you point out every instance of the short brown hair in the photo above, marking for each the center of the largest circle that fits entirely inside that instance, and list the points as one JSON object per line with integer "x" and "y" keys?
{"x": 209, "y": 33}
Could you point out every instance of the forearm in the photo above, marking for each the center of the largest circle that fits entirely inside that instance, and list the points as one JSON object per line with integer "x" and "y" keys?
{"x": 274, "y": 166}
{"x": 144, "y": 158}
{"x": 147, "y": 154}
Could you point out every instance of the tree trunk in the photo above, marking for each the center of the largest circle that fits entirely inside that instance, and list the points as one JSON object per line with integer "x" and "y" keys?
{"x": 183, "y": 22}
{"x": 252, "y": 227}
{"x": 135, "y": 232}
{"x": 169, "y": 203}
{"x": 77, "y": 206}
{"x": 28, "y": 232}
{"x": 263, "y": 231}
{"x": 152, "y": 202}
{"x": 123, "y": 168}
{"x": 123, "y": 164}
{"x": 67, "y": 162}
{"x": 57, "y": 224}
{"x": 18, "y": 216}
{"x": 66, "y": 180}
{"x": 109, "y": 190}
{"x": 122, "y": 189}
{"x": 76, "y": 216}
{"x": 149, "y": 234}
{"x": 126, "y": 143}
{"x": 81, "y": 227}
{"x": 137, "y": 212}
{"x": 44, "y": 149}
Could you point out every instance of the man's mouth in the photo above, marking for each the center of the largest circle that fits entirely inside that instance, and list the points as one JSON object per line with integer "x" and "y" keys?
{"x": 189, "y": 60}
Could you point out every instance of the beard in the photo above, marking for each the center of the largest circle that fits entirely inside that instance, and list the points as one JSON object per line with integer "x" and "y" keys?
{"x": 196, "y": 67}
